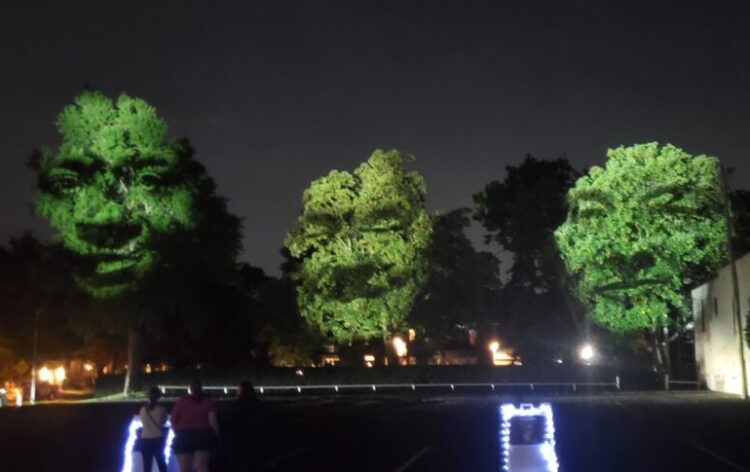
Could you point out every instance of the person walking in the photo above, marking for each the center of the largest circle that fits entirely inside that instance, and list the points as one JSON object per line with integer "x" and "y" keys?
{"x": 153, "y": 420}
{"x": 244, "y": 425}
{"x": 196, "y": 429}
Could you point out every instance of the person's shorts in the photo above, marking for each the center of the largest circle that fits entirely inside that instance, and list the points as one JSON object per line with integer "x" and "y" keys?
{"x": 190, "y": 440}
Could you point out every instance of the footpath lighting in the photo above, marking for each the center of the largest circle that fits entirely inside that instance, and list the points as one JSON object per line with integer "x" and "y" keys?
{"x": 586, "y": 353}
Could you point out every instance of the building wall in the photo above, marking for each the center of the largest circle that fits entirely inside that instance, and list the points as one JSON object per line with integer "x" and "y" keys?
{"x": 716, "y": 334}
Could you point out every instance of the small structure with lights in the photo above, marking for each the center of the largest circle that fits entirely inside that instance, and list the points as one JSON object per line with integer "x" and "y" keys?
{"x": 527, "y": 438}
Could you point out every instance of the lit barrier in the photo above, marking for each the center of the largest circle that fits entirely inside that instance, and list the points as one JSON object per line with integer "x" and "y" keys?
{"x": 131, "y": 465}
{"x": 490, "y": 386}
{"x": 525, "y": 444}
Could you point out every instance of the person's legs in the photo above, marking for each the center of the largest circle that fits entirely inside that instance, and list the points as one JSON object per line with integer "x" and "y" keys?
{"x": 161, "y": 463}
{"x": 201, "y": 461}
{"x": 147, "y": 453}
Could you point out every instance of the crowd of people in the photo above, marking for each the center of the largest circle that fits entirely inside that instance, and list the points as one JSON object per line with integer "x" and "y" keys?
{"x": 197, "y": 431}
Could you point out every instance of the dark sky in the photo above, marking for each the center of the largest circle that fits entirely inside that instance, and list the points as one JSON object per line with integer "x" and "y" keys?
{"x": 274, "y": 95}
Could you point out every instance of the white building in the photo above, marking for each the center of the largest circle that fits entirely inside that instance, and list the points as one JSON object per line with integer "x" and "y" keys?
{"x": 716, "y": 334}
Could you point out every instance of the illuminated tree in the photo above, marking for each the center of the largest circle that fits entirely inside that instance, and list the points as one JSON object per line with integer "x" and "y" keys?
{"x": 640, "y": 230}
{"x": 362, "y": 241}
{"x": 114, "y": 187}
{"x": 141, "y": 217}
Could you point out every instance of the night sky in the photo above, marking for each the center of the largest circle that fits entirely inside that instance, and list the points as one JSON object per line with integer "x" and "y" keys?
{"x": 276, "y": 94}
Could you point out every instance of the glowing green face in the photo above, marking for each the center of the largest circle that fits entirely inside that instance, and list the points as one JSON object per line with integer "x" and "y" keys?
{"x": 636, "y": 230}
{"x": 114, "y": 188}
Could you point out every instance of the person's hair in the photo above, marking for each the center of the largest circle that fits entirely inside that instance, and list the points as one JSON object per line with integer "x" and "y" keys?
{"x": 153, "y": 397}
{"x": 196, "y": 389}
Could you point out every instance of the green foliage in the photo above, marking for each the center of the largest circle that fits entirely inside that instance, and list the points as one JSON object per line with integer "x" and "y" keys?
{"x": 113, "y": 188}
{"x": 640, "y": 230}
{"x": 362, "y": 240}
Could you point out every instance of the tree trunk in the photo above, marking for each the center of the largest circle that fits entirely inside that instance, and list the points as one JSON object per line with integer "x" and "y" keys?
{"x": 133, "y": 372}
{"x": 661, "y": 351}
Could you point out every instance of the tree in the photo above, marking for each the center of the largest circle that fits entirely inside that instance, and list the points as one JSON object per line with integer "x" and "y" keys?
{"x": 362, "y": 241}
{"x": 740, "y": 200}
{"x": 640, "y": 230}
{"x": 536, "y": 314}
{"x": 522, "y": 212}
{"x": 460, "y": 280}
{"x": 135, "y": 208}
{"x": 37, "y": 299}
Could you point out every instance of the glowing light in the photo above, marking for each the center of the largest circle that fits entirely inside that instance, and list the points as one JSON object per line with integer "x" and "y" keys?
{"x": 135, "y": 424}
{"x": 88, "y": 367}
{"x": 586, "y": 352}
{"x": 59, "y": 375}
{"x": 412, "y": 334}
{"x": 545, "y": 450}
{"x": 45, "y": 375}
{"x": 502, "y": 357}
{"x": 399, "y": 345}
{"x": 369, "y": 360}
{"x": 494, "y": 346}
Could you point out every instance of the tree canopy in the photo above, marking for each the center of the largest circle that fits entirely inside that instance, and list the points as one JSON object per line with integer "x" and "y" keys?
{"x": 522, "y": 212}
{"x": 460, "y": 280}
{"x": 641, "y": 229}
{"x": 362, "y": 242}
{"x": 113, "y": 188}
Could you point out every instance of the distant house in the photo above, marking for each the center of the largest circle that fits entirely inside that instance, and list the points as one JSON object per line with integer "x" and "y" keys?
{"x": 716, "y": 331}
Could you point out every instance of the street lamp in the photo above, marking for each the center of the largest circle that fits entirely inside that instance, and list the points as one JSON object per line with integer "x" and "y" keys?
{"x": 586, "y": 353}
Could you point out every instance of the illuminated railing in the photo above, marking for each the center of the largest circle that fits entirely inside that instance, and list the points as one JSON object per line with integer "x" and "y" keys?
{"x": 489, "y": 386}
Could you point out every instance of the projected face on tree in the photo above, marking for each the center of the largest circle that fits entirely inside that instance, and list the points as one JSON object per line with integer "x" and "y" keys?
{"x": 641, "y": 228}
{"x": 114, "y": 189}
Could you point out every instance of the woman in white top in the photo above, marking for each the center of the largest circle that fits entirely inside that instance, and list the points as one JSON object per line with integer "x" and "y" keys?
{"x": 151, "y": 443}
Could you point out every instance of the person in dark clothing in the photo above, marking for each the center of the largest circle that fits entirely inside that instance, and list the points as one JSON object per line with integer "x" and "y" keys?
{"x": 244, "y": 425}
